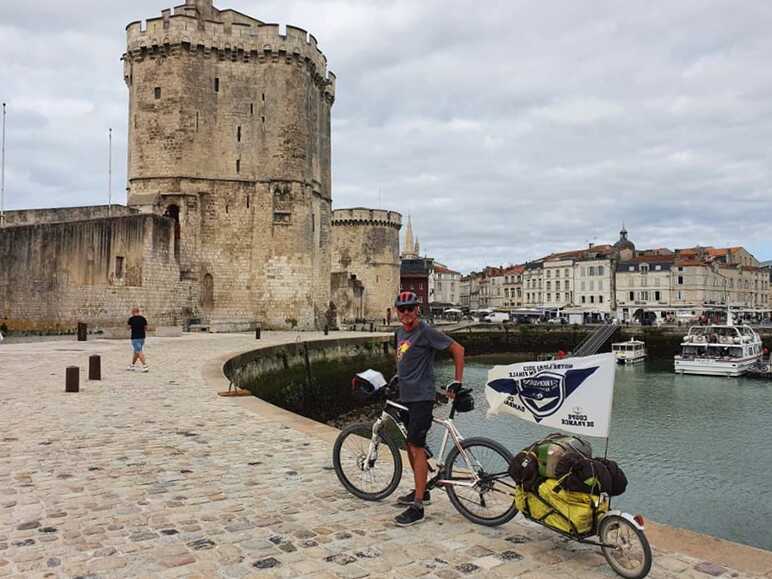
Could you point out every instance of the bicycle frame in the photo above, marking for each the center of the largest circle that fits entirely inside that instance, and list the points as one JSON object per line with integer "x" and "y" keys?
{"x": 450, "y": 432}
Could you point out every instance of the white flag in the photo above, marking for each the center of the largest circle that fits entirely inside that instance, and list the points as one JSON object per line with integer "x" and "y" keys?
{"x": 572, "y": 394}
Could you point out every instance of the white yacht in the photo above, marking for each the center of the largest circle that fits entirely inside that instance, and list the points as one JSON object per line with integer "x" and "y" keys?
{"x": 719, "y": 350}
{"x": 629, "y": 352}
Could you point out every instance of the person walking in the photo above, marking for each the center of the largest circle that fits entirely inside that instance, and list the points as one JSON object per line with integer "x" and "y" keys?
{"x": 417, "y": 343}
{"x": 138, "y": 325}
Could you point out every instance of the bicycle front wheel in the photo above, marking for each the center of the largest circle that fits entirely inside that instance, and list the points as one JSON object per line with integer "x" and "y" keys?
{"x": 373, "y": 478}
{"x": 479, "y": 483}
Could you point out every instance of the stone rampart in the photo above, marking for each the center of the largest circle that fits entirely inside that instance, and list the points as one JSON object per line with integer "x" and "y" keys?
{"x": 57, "y": 274}
{"x": 62, "y": 214}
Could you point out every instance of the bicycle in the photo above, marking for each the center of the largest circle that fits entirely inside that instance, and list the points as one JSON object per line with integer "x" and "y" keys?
{"x": 475, "y": 472}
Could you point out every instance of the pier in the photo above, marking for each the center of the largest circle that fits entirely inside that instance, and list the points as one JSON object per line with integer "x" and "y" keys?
{"x": 155, "y": 475}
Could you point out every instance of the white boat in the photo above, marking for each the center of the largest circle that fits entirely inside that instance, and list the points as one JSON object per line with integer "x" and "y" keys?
{"x": 629, "y": 352}
{"x": 719, "y": 350}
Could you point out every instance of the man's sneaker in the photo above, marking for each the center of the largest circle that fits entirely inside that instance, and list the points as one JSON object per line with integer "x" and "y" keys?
{"x": 411, "y": 516}
{"x": 131, "y": 368}
{"x": 145, "y": 368}
{"x": 409, "y": 498}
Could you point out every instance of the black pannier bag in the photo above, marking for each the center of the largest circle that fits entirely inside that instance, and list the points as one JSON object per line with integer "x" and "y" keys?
{"x": 618, "y": 478}
{"x": 524, "y": 470}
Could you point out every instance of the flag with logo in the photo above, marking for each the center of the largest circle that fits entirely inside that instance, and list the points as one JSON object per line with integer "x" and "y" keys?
{"x": 572, "y": 394}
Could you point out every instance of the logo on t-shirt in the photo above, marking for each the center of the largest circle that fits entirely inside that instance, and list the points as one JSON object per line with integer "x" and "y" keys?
{"x": 404, "y": 346}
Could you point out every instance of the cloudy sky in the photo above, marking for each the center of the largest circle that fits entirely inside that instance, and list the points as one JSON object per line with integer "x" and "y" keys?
{"x": 506, "y": 129}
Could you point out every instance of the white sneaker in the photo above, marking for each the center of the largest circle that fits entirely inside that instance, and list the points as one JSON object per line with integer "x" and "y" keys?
{"x": 131, "y": 368}
{"x": 145, "y": 369}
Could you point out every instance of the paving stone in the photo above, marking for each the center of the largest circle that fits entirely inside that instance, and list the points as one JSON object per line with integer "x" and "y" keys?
{"x": 176, "y": 482}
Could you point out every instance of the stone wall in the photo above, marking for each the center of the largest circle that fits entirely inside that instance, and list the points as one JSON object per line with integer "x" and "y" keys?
{"x": 365, "y": 249}
{"x": 54, "y": 275}
{"x": 62, "y": 214}
{"x": 311, "y": 378}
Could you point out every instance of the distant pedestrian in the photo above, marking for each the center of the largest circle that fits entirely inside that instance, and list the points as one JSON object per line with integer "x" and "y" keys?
{"x": 138, "y": 325}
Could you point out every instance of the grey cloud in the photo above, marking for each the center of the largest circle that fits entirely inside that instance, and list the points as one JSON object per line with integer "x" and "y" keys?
{"x": 506, "y": 129}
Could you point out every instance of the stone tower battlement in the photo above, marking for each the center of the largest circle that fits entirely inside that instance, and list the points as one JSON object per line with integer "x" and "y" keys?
{"x": 227, "y": 34}
{"x": 364, "y": 216}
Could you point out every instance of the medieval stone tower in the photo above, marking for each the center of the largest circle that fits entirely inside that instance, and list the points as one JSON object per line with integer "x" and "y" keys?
{"x": 229, "y": 135}
{"x": 365, "y": 262}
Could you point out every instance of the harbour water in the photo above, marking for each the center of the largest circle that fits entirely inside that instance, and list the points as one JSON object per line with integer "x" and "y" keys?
{"x": 697, "y": 450}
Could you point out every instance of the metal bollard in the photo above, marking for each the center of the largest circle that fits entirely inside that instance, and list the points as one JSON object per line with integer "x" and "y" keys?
{"x": 82, "y": 332}
{"x": 257, "y": 333}
{"x": 94, "y": 367}
{"x": 72, "y": 379}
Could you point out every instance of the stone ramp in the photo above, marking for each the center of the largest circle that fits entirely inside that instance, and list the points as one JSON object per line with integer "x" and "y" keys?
{"x": 154, "y": 475}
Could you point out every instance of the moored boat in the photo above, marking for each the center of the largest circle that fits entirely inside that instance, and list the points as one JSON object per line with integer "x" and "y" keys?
{"x": 718, "y": 350}
{"x": 629, "y": 352}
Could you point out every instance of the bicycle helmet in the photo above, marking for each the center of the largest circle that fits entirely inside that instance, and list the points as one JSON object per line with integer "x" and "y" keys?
{"x": 464, "y": 402}
{"x": 406, "y": 298}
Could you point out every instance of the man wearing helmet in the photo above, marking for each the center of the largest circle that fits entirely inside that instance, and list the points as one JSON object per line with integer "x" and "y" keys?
{"x": 417, "y": 343}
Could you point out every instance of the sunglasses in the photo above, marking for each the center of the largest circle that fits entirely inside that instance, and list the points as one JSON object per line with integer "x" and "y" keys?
{"x": 404, "y": 309}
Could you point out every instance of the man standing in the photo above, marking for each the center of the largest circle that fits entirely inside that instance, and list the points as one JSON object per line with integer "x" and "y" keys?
{"x": 417, "y": 343}
{"x": 138, "y": 325}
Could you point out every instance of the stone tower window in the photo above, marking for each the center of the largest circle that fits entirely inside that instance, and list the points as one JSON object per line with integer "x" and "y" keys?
{"x": 196, "y": 122}
{"x": 251, "y": 108}
{"x": 216, "y": 85}
{"x": 263, "y": 97}
{"x": 264, "y": 120}
{"x": 238, "y": 165}
{"x": 247, "y": 201}
{"x": 238, "y": 134}
{"x": 157, "y": 92}
{"x": 119, "y": 267}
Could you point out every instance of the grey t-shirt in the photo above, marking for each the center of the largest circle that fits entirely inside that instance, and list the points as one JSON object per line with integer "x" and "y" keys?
{"x": 415, "y": 361}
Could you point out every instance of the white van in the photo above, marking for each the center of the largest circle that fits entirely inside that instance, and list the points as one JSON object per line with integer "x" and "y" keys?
{"x": 496, "y": 317}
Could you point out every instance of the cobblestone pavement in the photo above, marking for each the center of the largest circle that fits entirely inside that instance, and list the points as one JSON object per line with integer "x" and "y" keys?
{"x": 154, "y": 475}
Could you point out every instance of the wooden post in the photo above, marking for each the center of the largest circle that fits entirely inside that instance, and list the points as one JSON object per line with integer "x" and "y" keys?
{"x": 94, "y": 367}
{"x": 72, "y": 379}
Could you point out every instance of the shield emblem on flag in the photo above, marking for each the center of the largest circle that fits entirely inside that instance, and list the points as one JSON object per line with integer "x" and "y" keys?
{"x": 542, "y": 394}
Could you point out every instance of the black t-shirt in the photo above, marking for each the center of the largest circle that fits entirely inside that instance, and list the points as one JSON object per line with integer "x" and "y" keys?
{"x": 138, "y": 324}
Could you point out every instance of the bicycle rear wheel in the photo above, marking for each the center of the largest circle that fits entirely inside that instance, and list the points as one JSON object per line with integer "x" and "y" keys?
{"x": 370, "y": 480}
{"x": 489, "y": 500}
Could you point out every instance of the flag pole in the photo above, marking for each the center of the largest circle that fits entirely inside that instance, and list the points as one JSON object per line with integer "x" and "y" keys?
{"x": 110, "y": 172}
{"x": 2, "y": 177}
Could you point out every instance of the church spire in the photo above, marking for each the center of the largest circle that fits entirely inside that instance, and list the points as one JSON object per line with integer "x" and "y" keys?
{"x": 409, "y": 249}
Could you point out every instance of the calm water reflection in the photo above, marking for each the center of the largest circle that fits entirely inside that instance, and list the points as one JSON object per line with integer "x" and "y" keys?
{"x": 696, "y": 449}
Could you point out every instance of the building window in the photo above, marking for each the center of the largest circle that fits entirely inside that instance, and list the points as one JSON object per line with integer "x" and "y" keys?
{"x": 251, "y": 108}
{"x": 632, "y": 296}
{"x": 216, "y": 85}
{"x": 583, "y": 299}
{"x": 119, "y": 267}
{"x": 656, "y": 295}
{"x": 238, "y": 134}
{"x": 238, "y": 165}
{"x": 600, "y": 299}
{"x": 592, "y": 299}
{"x": 600, "y": 270}
{"x": 680, "y": 280}
{"x": 157, "y": 92}
{"x": 645, "y": 268}
{"x": 592, "y": 270}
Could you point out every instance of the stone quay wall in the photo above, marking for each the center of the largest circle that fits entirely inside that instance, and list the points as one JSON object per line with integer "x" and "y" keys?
{"x": 311, "y": 378}
{"x": 365, "y": 248}
{"x": 54, "y": 275}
